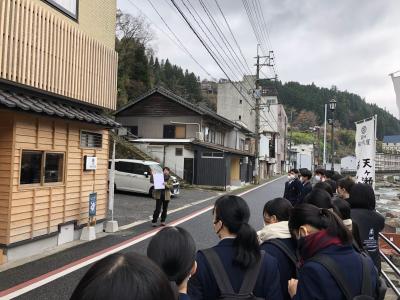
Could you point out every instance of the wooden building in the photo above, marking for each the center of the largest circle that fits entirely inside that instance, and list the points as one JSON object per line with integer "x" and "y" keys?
{"x": 57, "y": 75}
{"x": 195, "y": 142}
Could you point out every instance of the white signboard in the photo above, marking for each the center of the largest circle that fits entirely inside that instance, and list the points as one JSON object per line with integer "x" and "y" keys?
{"x": 365, "y": 151}
{"x": 90, "y": 163}
{"x": 158, "y": 181}
{"x": 396, "y": 84}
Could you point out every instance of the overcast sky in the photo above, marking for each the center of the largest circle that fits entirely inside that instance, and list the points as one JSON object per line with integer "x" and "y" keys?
{"x": 353, "y": 44}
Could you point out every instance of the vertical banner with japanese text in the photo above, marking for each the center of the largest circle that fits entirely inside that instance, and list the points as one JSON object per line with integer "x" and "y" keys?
{"x": 365, "y": 150}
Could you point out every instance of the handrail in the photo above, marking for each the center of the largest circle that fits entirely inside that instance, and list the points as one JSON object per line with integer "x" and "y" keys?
{"x": 394, "y": 288}
{"x": 390, "y": 243}
{"x": 390, "y": 263}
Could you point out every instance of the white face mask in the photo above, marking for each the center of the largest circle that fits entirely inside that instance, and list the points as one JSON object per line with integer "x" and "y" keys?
{"x": 290, "y": 177}
{"x": 317, "y": 178}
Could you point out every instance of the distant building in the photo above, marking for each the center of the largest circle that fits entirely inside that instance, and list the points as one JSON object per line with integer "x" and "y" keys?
{"x": 238, "y": 106}
{"x": 387, "y": 162}
{"x": 348, "y": 163}
{"x": 197, "y": 144}
{"x": 302, "y": 156}
{"x": 391, "y": 144}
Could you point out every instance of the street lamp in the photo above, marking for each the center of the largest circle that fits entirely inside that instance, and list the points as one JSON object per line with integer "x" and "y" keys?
{"x": 332, "y": 107}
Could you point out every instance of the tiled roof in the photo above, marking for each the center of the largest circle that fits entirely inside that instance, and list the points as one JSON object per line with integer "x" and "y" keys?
{"x": 391, "y": 139}
{"x": 204, "y": 111}
{"x": 38, "y": 105}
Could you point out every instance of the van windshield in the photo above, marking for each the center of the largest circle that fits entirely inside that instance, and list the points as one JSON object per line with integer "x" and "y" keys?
{"x": 155, "y": 168}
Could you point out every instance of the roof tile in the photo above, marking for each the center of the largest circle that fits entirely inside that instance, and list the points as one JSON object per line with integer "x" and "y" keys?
{"x": 53, "y": 108}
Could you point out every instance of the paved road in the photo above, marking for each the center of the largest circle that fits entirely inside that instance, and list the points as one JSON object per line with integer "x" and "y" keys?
{"x": 200, "y": 227}
{"x": 131, "y": 207}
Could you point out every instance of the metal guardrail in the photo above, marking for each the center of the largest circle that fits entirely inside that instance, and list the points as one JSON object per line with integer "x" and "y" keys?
{"x": 390, "y": 263}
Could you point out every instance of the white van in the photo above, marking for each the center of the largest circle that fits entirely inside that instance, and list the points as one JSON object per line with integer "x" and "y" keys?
{"x": 134, "y": 176}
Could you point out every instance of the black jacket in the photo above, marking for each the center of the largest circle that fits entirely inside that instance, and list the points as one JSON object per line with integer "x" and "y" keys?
{"x": 293, "y": 190}
{"x": 307, "y": 188}
{"x": 369, "y": 223}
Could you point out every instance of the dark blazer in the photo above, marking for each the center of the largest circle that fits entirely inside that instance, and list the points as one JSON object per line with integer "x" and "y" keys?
{"x": 183, "y": 297}
{"x": 287, "y": 269}
{"x": 202, "y": 285}
{"x": 315, "y": 282}
{"x": 306, "y": 188}
{"x": 369, "y": 223}
{"x": 293, "y": 191}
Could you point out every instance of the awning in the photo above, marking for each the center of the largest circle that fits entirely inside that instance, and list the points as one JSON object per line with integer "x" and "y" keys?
{"x": 27, "y": 103}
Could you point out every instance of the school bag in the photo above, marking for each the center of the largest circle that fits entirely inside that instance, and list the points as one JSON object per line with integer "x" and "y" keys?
{"x": 332, "y": 267}
{"x": 223, "y": 282}
{"x": 288, "y": 252}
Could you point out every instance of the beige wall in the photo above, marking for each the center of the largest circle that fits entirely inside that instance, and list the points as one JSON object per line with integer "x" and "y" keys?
{"x": 95, "y": 17}
{"x": 46, "y": 50}
{"x": 28, "y": 211}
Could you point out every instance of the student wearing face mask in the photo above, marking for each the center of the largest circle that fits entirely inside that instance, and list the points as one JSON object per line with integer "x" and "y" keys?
{"x": 235, "y": 260}
{"x": 319, "y": 176}
{"x": 276, "y": 240}
{"x": 293, "y": 187}
{"x": 331, "y": 268}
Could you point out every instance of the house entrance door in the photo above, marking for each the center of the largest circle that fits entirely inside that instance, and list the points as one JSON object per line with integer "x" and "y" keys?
{"x": 188, "y": 170}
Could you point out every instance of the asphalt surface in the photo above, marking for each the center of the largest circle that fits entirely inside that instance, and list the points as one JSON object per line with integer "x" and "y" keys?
{"x": 200, "y": 227}
{"x": 131, "y": 207}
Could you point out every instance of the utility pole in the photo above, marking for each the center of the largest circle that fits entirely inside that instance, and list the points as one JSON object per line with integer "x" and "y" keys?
{"x": 257, "y": 109}
{"x": 257, "y": 95}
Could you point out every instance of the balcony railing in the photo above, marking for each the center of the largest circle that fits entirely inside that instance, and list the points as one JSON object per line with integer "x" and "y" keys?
{"x": 44, "y": 51}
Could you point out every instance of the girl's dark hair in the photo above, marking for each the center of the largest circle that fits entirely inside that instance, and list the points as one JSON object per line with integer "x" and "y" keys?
{"x": 234, "y": 213}
{"x": 324, "y": 186}
{"x": 278, "y": 207}
{"x": 124, "y": 277}
{"x": 320, "y": 198}
{"x": 343, "y": 207}
{"x": 320, "y": 218}
{"x": 174, "y": 251}
{"x": 362, "y": 195}
{"x": 320, "y": 171}
{"x": 346, "y": 183}
{"x": 333, "y": 185}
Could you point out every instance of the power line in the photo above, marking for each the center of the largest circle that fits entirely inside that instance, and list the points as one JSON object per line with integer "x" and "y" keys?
{"x": 179, "y": 44}
{"x": 240, "y": 64}
{"x": 207, "y": 48}
{"x": 216, "y": 46}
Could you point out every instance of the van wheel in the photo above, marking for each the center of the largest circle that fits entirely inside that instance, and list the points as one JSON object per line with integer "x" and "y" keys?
{"x": 151, "y": 192}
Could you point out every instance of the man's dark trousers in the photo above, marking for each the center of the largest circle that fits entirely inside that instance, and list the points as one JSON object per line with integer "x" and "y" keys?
{"x": 161, "y": 203}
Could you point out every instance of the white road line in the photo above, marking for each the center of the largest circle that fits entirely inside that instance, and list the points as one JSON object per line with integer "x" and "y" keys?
{"x": 47, "y": 278}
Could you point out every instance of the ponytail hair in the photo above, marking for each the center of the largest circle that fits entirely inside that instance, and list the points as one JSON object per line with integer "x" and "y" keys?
{"x": 320, "y": 218}
{"x": 234, "y": 213}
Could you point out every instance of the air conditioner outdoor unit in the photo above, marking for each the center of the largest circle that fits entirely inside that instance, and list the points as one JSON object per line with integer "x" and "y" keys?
{"x": 199, "y": 136}
{"x": 246, "y": 147}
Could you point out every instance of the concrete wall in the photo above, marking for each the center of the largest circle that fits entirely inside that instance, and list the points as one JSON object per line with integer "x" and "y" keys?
{"x": 229, "y": 106}
{"x": 159, "y": 152}
{"x": 152, "y": 127}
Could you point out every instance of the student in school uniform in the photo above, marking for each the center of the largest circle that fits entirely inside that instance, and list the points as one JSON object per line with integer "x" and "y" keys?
{"x": 322, "y": 235}
{"x": 237, "y": 254}
{"x": 124, "y": 276}
{"x": 174, "y": 251}
{"x": 276, "y": 240}
{"x": 369, "y": 221}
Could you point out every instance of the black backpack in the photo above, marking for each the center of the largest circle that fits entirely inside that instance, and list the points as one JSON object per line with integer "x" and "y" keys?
{"x": 332, "y": 267}
{"x": 288, "y": 252}
{"x": 223, "y": 282}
